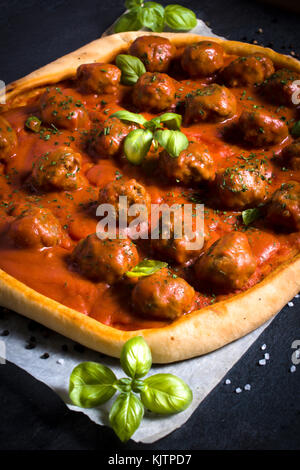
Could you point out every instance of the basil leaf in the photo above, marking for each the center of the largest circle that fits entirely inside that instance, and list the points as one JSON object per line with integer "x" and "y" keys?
{"x": 126, "y": 415}
{"x": 131, "y": 117}
{"x": 170, "y": 120}
{"x": 136, "y": 358}
{"x": 137, "y": 145}
{"x": 124, "y": 384}
{"x": 295, "y": 131}
{"x": 129, "y": 21}
{"x": 166, "y": 394}
{"x": 152, "y": 16}
{"x": 146, "y": 268}
{"x": 133, "y": 3}
{"x": 172, "y": 141}
{"x": 131, "y": 67}
{"x": 137, "y": 385}
{"x": 180, "y": 18}
{"x": 33, "y": 123}
{"x": 91, "y": 384}
{"x": 249, "y": 215}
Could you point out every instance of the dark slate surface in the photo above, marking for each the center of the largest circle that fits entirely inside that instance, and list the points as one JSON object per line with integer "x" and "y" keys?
{"x": 266, "y": 417}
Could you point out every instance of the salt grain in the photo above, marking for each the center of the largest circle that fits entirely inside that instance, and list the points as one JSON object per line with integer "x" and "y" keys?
{"x": 290, "y": 304}
{"x": 293, "y": 369}
{"x": 60, "y": 361}
{"x": 247, "y": 387}
{"x": 227, "y": 381}
{"x": 262, "y": 362}
{"x": 238, "y": 390}
{"x": 267, "y": 356}
{"x": 264, "y": 346}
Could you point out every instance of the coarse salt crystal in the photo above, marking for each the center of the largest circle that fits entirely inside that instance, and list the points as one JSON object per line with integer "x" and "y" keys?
{"x": 238, "y": 390}
{"x": 262, "y": 362}
{"x": 293, "y": 369}
{"x": 291, "y": 304}
{"x": 264, "y": 346}
{"x": 247, "y": 387}
{"x": 267, "y": 356}
{"x": 227, "y": 381}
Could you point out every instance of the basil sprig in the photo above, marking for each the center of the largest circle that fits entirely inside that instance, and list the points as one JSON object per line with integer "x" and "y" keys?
{"x": 146, "y": 268}
{"x": 138, "y": 142}
{"x": 249, "y": 215}
{"x": 152, "y": 15}
{"x": 93, "y": 384}
{"x": 131, "y": 67}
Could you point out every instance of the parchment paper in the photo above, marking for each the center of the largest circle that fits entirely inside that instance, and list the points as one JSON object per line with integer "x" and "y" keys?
{"x": 202, "y": 374}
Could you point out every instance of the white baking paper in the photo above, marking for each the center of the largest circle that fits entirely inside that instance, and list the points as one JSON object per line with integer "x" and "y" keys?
{"x": 202, "y": 374}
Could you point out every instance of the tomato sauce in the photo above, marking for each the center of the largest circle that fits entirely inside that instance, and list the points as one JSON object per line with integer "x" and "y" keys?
{"x": 49, "y": 270}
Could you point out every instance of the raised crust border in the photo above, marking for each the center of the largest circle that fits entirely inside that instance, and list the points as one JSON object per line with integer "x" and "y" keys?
{"x": 192, "y": 335}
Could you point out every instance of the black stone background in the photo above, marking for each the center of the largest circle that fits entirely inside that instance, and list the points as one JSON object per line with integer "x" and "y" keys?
{"x": 32, "y": 33}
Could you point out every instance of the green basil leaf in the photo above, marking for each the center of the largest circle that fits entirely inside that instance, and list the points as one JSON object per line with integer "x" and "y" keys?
{"x": 91, "y": 384}
{"x": 124, "y": 384}
{"x": 146, "y": 268}
{"x": 166, "y": 394}
{"x": 129, "y": 21}
{"x": 295, "y": 131}
{"x": 131, "y": 67}
{"x": 249, "y": 215}
{"x": 133, "y": 3}
{"x": 33, "y": 123}
{"x": 137, "y": 145}
{"x": 137, "y": 385}
{"x": 131, "y": 117}
{"x": 136, "y": 358}
{"x": 180, "y": 18}
{"x": 170, "y": 120}
{"x": 126, "y": 415}
{"x": 172, "y": 141}
{"x": 152, "y": 16}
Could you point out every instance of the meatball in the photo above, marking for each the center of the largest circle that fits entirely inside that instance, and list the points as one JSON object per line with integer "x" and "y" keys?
{"x": 210, "y": 103}
{"x": 63, "y": 110}
{"x": 57, "y": 170}
{"x": 228, "y": 263}
{"x": 8, "y": 140}
{"x": 135, "y": 193}
{"x": 35, "y": 228}
{"x": 243, "y": 185}
{"x": 291, "y": 155}
{"x": 202, "y": 58}
{"x": 246, "y": 71}
{"x": 284, "y": 208}
{"x": 154, "y": 51}
{"x": 106, "y": 140}
{"x": 162, "y": 296}
{"x": 260, "y": 129}
{"x": 280, "y": 87}
{"x": 171, "y": 240}
{"x": 98, "y": 78}
{"x": 105, "y": 260}
{"x": 154, "y": 92}
{"x": 193, "y": 165}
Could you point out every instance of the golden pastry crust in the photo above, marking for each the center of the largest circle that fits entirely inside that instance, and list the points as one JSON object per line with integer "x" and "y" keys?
{"x": 194, "y": 334}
